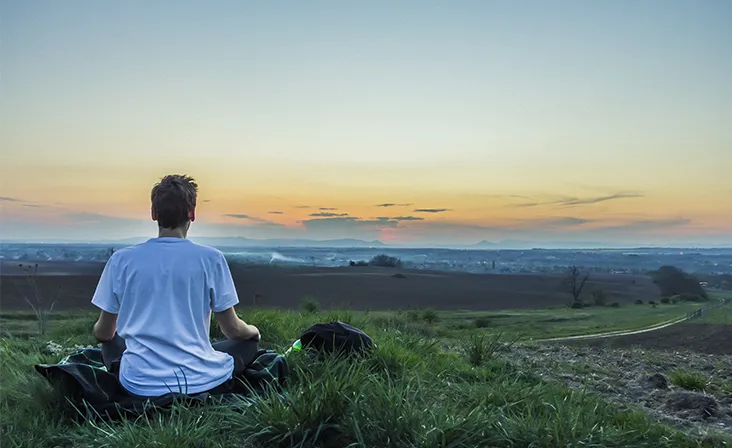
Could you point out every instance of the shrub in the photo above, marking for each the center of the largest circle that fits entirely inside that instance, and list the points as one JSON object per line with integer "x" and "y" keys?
{"x": 577, "y": 305}
{"x": 675, "y": 299}
{"x": 652, "y": 302}
{"x": 599, "y": 297}
{"x": 385, "y": 261}
{"x": 358, "y": 263}
{"x": 481, "y": 322}
{"x": 689, "y": 380}
{"x": 255, "y": 298}
{"x": 480, "y": 348}
{"x": 430, "y": 316}
{"x": 41, "y": 306}
{"x": 639, "y": 302}
{"x": 666, "y": 300}
{"x": 413, "y": 315}
{"x": 672, "y": 280}
{"x": 690, "y": 298}
{"x": 615, "y": 305}
{"x": 310, "y": 305}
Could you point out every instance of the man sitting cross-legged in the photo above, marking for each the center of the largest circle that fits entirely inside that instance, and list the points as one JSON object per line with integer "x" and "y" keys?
{"x": 156, "y": 300}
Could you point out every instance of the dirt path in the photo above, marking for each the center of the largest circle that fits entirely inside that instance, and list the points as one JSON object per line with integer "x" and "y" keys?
{"x": 655, "y": 327}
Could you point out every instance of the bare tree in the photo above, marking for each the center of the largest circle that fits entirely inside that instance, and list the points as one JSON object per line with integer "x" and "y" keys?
{"x": 576, "y": 280}
{"x": 41, "y": 307}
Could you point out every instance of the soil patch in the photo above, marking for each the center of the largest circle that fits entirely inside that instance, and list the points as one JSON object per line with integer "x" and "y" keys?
{"x": 703, "y": 338}
{"x": 637, "y": 378}
{"x": 355, "y": 288}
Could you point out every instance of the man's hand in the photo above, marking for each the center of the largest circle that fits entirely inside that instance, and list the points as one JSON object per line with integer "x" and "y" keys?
{"x": 255, "y": 333}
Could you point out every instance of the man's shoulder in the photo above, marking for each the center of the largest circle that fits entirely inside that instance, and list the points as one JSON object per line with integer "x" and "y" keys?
{"x": 123, "y": 252}
{"x": 206, "y": 251}
{"x": 144, "y": 249}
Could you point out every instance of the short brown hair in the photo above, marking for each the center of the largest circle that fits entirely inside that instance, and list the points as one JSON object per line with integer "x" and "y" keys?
{"x": 173, "y": 198}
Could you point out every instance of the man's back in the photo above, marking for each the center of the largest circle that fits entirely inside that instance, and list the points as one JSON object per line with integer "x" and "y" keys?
{"x": 164, "y": 291}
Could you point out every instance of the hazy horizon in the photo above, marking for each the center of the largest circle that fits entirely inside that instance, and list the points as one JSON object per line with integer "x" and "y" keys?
{"x": 346, "y": 243}
{"x": 415, "y": 123}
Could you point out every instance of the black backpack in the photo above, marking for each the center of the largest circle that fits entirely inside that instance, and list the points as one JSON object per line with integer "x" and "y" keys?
{"x": 336, "y": 337}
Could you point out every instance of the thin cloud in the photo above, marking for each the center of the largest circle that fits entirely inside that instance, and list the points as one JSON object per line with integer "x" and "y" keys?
{"x": 408, "y": 218}
{"x": 327, "y": 208}
{"x": 399, "y": 218}
{"x": 32, "y": 205}
{"x": 81, "y": 218}
{"x": 276, "y": 213}
{"x": 88, "y": 217}
{"x": 303, "y": 206}
{"x": 328, "y": 215}
{"x": 512, "y": 196}
{"x": 650, "y": 224}
{"x": 256, "y": 219}
{"x": 391, "y": 204}
{"x": 350, "y": 222}
{"x": 242, "y": 216}
{"x": 566, "y": 221}
{"x": 430, "y": 210}
{"x": 206, "y": 200}
{"x": 575, "y": 201}
{"x": 7, "y": 199}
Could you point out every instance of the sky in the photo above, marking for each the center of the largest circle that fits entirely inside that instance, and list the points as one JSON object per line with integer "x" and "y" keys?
{"x": 418, "y": 123}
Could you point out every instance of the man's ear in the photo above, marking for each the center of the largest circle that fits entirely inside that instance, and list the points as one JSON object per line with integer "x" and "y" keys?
{"x": 152, "y": 214}
{"x": 192, "y": 214}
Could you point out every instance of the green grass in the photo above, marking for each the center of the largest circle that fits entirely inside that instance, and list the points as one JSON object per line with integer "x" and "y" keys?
{"x": 689, "y": 380}
{"x": 512, "y": 324}
{"x": 409, "y": 393}
{"x": 562, "y": 321}
{"x": 719, "y": 316}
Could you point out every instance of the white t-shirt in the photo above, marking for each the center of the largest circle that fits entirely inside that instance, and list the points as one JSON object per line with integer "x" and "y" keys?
{"x": 163, "y": 291}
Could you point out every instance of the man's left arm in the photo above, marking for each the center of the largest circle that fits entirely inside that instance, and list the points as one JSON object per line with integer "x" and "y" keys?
{"x": 105, "y": 298}
{"x": 105, "y": 327}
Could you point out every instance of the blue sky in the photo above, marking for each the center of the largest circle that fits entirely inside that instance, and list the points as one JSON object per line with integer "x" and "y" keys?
{"x": 478, "y": 107}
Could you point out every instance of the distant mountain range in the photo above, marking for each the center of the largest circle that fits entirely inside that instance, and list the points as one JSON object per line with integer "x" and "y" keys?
{"x": 357, "y": 243}
{"x": 522, "y": 244}
{"x": 283, "y": 242}
{"x": 577, "y": 245}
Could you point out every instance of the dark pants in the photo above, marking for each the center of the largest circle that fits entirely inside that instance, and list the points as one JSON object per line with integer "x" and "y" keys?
{"x": 243, "y": 352}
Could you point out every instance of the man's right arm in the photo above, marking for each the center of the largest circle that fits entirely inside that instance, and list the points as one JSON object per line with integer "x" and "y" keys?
{"x": 235, "y": 328}
{"x": 223, "y": 299}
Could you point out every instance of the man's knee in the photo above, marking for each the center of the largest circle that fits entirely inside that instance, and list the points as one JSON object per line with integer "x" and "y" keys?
{"x": 243, "y": 352}
{"x": 236, "y": 347}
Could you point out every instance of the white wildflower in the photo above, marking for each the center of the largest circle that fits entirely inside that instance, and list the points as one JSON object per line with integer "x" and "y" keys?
{"x": 54, "y": 348}
{"x": 81, "y": 347}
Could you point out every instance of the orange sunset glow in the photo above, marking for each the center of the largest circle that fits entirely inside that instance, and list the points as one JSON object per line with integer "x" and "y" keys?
{"x": 449, "y": 128}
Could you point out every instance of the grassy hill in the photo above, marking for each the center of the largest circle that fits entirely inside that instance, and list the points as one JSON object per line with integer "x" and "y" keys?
{"x": 414, "y": 391}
